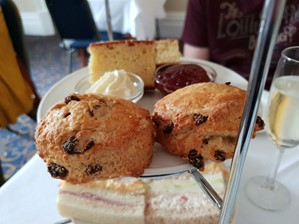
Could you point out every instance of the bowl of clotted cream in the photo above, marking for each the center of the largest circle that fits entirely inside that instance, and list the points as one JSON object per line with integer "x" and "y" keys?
{"x": 117, "y": 83}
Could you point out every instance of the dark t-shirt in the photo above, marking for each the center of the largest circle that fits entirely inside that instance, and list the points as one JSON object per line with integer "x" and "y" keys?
{"x": 229, "y": 29}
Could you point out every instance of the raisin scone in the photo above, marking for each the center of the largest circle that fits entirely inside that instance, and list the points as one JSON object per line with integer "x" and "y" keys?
{"x": 201, "y": 122}
{"x": 88, "y": 137}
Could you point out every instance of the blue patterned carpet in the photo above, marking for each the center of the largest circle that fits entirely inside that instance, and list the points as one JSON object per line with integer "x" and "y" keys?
{"x": 48, "y": 65}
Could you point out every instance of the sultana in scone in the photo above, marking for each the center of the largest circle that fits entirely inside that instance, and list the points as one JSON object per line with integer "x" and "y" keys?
{"x": 88, "y": 137}
{"x": 201, "y": 122}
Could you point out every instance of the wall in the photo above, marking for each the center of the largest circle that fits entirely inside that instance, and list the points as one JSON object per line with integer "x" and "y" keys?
{"x": 176, "y": 5}
{"x": 36, "y": 19}
{"x": 172, "y": 25}
{"x": 30, "y": 6}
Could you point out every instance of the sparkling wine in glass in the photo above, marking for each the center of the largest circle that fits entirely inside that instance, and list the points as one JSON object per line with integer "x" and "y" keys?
{"x": 282, "y": 128}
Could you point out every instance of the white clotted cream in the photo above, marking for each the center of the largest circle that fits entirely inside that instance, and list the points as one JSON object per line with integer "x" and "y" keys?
{"x": 115, "y": 83}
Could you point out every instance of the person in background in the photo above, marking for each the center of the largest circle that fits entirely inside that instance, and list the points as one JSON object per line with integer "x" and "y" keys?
{"x": 17, "y": 89}
{"x": 225, "y": 32}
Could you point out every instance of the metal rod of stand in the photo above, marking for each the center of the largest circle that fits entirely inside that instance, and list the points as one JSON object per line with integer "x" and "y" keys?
{"x": 207, "y": 188}
{"x": 108, "y": 17}
{"x": 270, "y": 21}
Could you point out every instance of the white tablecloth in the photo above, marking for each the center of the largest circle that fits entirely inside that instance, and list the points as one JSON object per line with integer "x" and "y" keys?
{"x": 137, "y": 17}
{"x": 29, "y": 197}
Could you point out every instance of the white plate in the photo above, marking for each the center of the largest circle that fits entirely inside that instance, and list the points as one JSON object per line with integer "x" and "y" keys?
{"x": 163, "y": 163}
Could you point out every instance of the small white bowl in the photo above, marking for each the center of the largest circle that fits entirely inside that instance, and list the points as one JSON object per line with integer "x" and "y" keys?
{"x": 84, "y": 84}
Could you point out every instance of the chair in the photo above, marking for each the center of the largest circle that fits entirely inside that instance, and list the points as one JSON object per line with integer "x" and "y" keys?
{"x": 75, "y": 26}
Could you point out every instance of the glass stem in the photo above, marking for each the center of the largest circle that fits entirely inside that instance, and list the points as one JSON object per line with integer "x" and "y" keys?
{"x": 273, "y": 173}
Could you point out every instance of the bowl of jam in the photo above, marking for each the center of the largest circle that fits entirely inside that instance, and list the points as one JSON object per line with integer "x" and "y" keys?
{"x": 170, "y": 77}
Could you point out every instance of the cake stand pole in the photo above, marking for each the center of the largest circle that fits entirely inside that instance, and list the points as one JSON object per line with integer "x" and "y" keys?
{"x": 269, "y": 25}
{"x": 108, "y": 18}
{"x": 207, "y": 188}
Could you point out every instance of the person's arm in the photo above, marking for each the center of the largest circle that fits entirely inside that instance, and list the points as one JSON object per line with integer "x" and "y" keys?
{"x": 195, "y": 33}
{"x": 196, "y": 52}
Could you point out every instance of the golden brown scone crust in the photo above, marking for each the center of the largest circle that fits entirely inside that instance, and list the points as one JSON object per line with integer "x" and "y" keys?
{"x": 201, "y": 121}
{"x": 88, "y": 137}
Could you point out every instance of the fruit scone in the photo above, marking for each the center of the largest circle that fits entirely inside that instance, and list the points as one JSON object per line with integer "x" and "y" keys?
{"x": 201, "y": 122}
{"x": 88, "y": 137}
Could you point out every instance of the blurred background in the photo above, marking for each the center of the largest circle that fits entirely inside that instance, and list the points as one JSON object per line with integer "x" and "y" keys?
{"x": 36, "y": 19}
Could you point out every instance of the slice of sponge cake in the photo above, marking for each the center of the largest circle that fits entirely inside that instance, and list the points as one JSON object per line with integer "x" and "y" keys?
{"x": 167, "y": 51}
{"x": 133, "y": 56}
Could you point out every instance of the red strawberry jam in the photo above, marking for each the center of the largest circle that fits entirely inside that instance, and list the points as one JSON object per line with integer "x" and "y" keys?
{"x": 175, "y": 76}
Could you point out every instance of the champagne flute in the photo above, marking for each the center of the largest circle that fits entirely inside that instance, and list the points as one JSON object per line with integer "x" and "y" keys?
{"x": 282, "y": 124}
